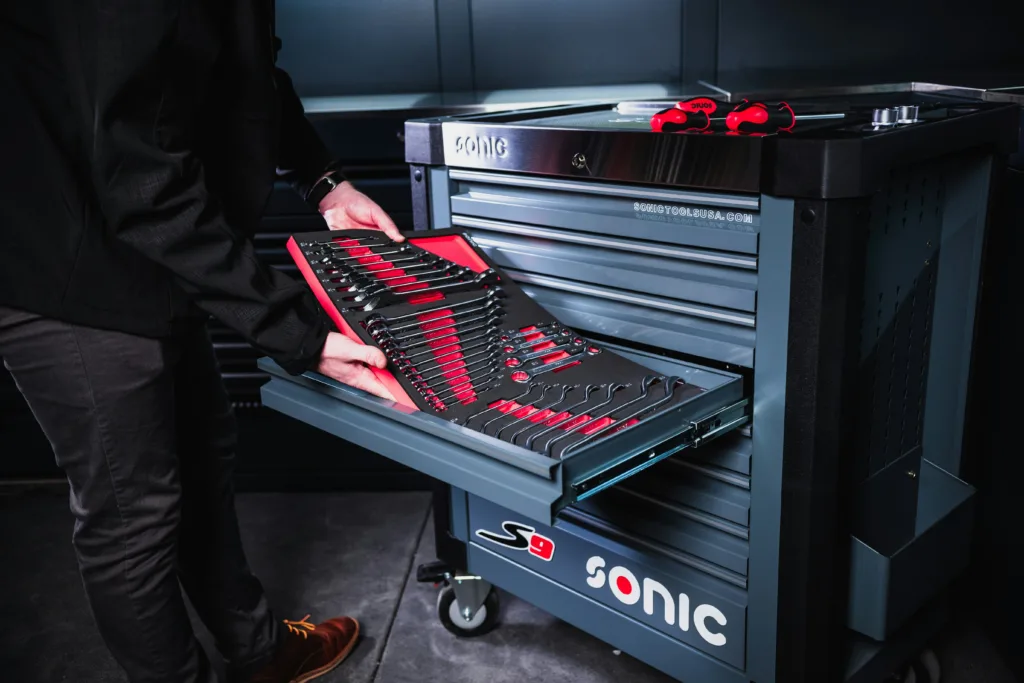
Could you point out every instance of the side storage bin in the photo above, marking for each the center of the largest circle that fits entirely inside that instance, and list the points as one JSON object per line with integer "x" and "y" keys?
{"x": 912, "y": 536}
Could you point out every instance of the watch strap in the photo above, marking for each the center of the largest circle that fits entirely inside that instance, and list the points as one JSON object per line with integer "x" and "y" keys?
{"x": 327, "y": 182}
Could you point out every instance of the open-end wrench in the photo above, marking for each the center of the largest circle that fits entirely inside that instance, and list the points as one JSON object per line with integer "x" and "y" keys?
{"x": 499, "y": 405}
{"x": 645, "y": 386}
{"x": 670, "y": 388}
{"x": 378, "y": 319}
{"x": 540, "y": 408}
{"x": 591, "y": 388}
{"x": 612, "y": 390}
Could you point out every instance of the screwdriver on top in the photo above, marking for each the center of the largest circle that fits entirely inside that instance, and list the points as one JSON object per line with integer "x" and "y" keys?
{"x": 705, "y": 113}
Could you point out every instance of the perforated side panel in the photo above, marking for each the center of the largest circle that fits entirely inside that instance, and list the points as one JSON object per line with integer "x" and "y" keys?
{"x": 896, "y": 321}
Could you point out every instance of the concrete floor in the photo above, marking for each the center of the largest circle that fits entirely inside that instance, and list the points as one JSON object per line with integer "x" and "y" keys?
{"x": 332, "y": 554}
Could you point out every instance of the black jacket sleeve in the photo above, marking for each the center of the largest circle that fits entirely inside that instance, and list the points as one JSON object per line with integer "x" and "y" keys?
{"x": 151, "y": 184}
{"x": 303, "y": 157}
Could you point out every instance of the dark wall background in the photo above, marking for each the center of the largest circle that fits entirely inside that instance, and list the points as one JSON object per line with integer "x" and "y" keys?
{"x": 905, "y": 34}
{"x": 353, "y": 47}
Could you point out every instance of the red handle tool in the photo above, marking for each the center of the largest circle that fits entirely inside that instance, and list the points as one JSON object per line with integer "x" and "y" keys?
{"x": 758, "y": 117}
{"x": 674, "y": 120}
{"x": 703, "y": 113}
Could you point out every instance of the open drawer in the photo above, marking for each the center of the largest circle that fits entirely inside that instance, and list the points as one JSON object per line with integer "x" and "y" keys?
{"x": 528, "y": 483}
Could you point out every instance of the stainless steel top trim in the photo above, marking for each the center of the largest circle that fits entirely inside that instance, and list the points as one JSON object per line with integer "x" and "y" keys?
{"x": 813, "y": 91}
{"x": 607, "y": 189}
{"x": 650, "y": 302}
{"x": 602, "y": 242}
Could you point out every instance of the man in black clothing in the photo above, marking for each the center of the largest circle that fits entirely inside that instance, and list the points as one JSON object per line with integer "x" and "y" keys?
{"x": 140, "y": 143}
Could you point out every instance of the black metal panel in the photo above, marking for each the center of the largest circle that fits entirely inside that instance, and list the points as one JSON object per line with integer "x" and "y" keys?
{"x": 539, "y": 43}
{"x": 994, "y": 588}
{"x": 829, "y": 244}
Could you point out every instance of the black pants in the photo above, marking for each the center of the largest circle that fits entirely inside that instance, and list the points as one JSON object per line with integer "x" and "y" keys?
{"x": 145, "y": 433}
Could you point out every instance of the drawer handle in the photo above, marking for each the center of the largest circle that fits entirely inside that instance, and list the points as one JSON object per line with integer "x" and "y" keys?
{"x": 598, "y": 242}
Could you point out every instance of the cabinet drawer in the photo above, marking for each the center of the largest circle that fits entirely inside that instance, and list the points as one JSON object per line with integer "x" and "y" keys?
{"x": 725, "y": 222}
{"x": 696, "y": 275}
{"x": 529, "y": 483}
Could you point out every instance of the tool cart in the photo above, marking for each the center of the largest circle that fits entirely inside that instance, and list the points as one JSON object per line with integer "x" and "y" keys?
{"x": 807, "y": 273}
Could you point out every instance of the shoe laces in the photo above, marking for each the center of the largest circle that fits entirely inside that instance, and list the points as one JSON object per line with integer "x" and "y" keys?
{"x": 301, "y": 627}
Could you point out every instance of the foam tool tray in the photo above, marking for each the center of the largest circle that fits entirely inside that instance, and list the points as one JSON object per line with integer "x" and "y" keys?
{"x": 465, "y": 343}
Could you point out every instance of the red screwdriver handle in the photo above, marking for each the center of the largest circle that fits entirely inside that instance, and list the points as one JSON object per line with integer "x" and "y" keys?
{"x": 758, "y": 117}
{"x": 673, "y": 120}
{"x": 704, "y": 104}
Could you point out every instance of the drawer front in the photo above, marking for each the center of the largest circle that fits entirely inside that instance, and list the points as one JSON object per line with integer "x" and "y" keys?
{"x": 703, "y": 331}
{"x": 659, "y": 267}
{"x": 531, "y": 484}
{"x": 728, "y": 223}
{"x": 642, "y": 581}
{"x": 698, "y": 276}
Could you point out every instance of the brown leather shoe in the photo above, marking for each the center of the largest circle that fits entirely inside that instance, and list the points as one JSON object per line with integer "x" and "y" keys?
{"x": 310, "y": 651}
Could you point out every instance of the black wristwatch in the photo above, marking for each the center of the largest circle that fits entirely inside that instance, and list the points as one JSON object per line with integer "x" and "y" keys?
{"x": 327, "y": 182}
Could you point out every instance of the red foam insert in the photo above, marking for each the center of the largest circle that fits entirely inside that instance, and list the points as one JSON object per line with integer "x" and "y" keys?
{"x": 383, "y": 375}
{"x": 541, "y": 415}
{"x": 597, "y": 424}
{"x": 453, "y": 248}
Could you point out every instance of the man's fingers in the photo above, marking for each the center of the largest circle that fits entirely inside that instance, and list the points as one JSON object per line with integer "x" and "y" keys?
{"x": 384, "y": 222}
{"x": 361, "y": 377}
{"x": 373, "y": 356}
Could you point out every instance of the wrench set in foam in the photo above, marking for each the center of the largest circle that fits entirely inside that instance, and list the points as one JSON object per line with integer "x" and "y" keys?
{"x": 465, "y": 343}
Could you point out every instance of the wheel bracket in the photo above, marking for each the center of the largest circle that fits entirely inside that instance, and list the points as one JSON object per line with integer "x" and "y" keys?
{"x": 470, "y": 592}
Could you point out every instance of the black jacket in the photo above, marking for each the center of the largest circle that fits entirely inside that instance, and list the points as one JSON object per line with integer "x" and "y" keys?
{"x": 138, "y": 147}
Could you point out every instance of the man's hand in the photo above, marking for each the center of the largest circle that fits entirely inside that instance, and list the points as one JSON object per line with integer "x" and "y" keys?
{"x": 349, "y": 363}
{"x": 346, "y": 208}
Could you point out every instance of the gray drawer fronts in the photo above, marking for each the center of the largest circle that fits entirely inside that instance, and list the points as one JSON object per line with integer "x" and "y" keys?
{"x": 673, "y": 270}
{"x": 664, "y": 268}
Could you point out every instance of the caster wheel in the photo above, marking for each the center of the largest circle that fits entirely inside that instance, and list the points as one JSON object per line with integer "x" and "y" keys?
{"x": 483, "y": 621}
{"x": 924, "y": 669}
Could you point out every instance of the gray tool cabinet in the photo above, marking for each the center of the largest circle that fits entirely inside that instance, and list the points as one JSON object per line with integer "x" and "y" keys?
{"x": 821, "y": 284}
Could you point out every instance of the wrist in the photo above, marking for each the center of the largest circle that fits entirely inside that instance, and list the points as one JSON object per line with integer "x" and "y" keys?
{"x": 330, "y": 180}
